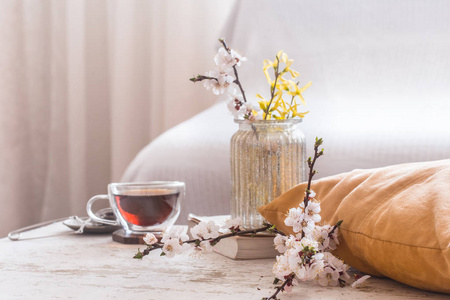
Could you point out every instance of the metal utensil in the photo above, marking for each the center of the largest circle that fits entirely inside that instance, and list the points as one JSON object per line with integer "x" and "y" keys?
{"x": 83, "y": 225}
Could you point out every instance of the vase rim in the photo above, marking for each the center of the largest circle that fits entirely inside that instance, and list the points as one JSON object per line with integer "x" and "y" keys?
{"x": 272, "y": 121}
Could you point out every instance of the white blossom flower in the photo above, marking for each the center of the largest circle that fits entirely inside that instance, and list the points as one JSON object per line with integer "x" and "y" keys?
{"x": 221, "y": 82}
{"x": 198, "y": 230}
{"x": 185, "y": 247}
{"x": 228, "y": 60}
{"x": 360, "y": 282}
{"x": 306, "y": 272}
{"x": 334, "y": 241}
{"x": 337, "y": 264}
{"x": 244, "y": 110}
{"x": 317, "y": 266}
{"x": 308, "y": 226}
{"x": 295, "y": 219}
{"x": 176, "y": 233}
{"x": 312, "y": 194}
{"x": 150, "y": 239}
{"x": 232, "y": 224}
{"x": 312, "y": 212}
{"x": 307, "y": 242}
{"x": 206, "y": 246}
{"x": 298, "y": 243}
{"x": 301, "y": 271}
{"x": 234, "y": 106}
{"x": 239, "y": 58}
{"x": 256, "y": 116}
{"x": 280, "y": 243}
{"x": 303, "y": 260}
{"x": 327, "y": 239}
{"x": 254, "y": 112}
{"x": 172, "y": 247}
{"x": 291, "y": 240}
{"x": 240, "y": 109}
{"x": 295, "y": 263}
{"x": 321, "y": 235}
{"x": 343, "y": 272}
{"x": 281, "y": 268}
{"x": 331, "y": 259}
{"x": 205, "y": 230}
{"x": 328, "y": 276}
{"x": 251, "y": 107}
{"x": 203, "y": 247}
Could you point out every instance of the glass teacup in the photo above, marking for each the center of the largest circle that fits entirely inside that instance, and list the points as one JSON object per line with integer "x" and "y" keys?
{"x": 142, "y": 206}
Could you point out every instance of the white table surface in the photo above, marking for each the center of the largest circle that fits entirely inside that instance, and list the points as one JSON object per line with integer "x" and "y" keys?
{"x": 94, "y": 267}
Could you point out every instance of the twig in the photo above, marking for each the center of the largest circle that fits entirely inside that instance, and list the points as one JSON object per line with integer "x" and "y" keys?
{"x": 212, "y": 241}
{"x": 202, "y": 77}
{"x": 338, "y": 225}
{"x": 312, "y": 172}
{"x": 272, "y": 92}
{"x": 237, "y": 81}
{"x": 281, "y": 287}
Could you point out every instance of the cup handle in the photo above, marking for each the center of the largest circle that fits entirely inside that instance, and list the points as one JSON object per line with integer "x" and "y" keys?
{"x": 93, "y": 216}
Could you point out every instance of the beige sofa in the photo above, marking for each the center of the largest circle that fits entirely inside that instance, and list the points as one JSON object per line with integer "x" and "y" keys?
{"x": 380, "y": 92}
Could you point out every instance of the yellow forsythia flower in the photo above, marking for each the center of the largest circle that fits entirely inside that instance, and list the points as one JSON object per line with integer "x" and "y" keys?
{"x": 277, "y": 107}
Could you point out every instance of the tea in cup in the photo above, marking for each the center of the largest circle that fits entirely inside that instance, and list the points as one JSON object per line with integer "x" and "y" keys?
{"x": 142, "y": 206}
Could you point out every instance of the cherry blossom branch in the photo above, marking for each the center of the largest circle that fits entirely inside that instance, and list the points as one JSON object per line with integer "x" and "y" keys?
{"x": 274, "y": 230}
{"x": 311, "y": 164}
{"x": 338, "y": 225}
{"x": 305, "y": 255}
{"x": 281, "y": 287}
{"x": 212, "y": 241}
{"x": 237, "y": 81}
{"x": 312, "y": 172}
{"x": 202, "y": 77}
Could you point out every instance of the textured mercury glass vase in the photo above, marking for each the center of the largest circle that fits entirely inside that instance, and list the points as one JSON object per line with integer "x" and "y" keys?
{"x": 267, "y": 158}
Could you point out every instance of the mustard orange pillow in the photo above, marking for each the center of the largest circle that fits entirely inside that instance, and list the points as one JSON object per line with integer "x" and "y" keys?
{"x": 396, "y": 220}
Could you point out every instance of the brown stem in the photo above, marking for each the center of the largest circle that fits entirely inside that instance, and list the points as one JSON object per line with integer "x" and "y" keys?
{"x": 235, "y": 71}
{"x": 312, "y": 172}
{"x": 280, "y": 288}
{"x": 335, "y": 227}
{"x": 293, "y": 97}
{"x": 250, "y": 231}
{"x": 239, "y": 84}
{"x": 214, "y": 240}
{"x": 272, "y": 92}
{"x": 202, "y": 77}
{"x": 311, "y": 169}
{"x": 278, "y": 232}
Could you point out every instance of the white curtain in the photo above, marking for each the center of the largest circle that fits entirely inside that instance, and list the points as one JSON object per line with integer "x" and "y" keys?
{"x": 84, "y": 85}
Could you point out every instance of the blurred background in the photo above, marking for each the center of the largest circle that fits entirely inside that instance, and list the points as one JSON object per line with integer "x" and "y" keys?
{"x": 85, "y": 85}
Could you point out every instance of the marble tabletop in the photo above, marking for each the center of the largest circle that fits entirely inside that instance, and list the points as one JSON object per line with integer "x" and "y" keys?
{"x": 92, "y": 266}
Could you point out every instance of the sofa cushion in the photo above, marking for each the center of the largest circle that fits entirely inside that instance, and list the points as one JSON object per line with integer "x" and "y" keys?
{"x": 396, "y": 220}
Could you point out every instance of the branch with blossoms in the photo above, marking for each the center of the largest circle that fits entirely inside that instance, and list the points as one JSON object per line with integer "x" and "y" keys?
{"x": 304, "y": 255}
{"x": 221, "y": 81}
{"x": 205, "y": 236}
{"x": 237, "y": 59}
{"x": 225, "y": 80}
{"x": 312, "y": 172}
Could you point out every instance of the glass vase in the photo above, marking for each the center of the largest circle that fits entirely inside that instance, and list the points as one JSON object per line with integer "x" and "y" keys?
{"x": 267, "y": 158}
